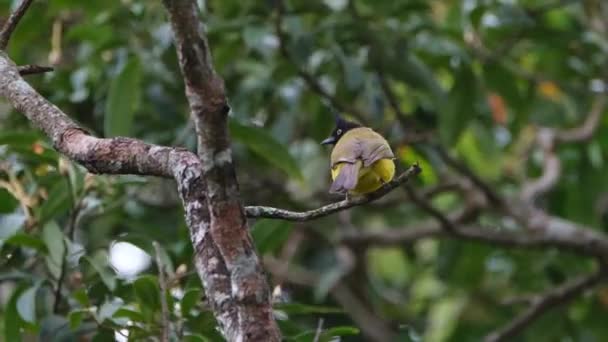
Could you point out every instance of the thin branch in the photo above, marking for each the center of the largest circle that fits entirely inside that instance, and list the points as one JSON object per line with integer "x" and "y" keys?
{"x": 425, "y": 205}
{"x": 162, "y": 282}
{"x": 585, "y": 131}
{"x": 276, "y": 213}
{"x": 11, "y": 23}
{"x": 549, "y": 232}
{"x": 464, "y": 170}
{"x": 319, "y": 331}
{"x": 544, "y": 302}
{"x": 72, "y": 223}
{"x": 551, "y": 169}
{"x": 33, "y": 69}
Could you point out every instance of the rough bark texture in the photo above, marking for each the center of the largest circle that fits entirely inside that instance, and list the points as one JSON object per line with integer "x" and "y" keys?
{"x": 248, "y": 293}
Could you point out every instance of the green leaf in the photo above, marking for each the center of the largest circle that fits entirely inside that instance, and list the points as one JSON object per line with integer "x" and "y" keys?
{"x": 56, "y": 329}
{"x": 459, "y": 108}
{"x": 263, "y": 144}
{"x": 75, "y": 318}
{"x": 269, "y": 235}
{"x": 25, "y": 240}
{"x": 108, "y": 309}
{"x": 123, "y": 100}
{"x": 16, "y": 138}
{"x": 58, "y": 202}
{"x": 12, "y": 320}
{"x": 195, "y": 338}
{"x": 100, "y": 263}
{"x": 147, "y": 292}
{"x": 10, "y": 225}
{"x": 26, "y": 304}
{"x": 53, "y": 239}
{"x": 305, "y": 309}
{"x": 130, "y": 314}
{"x": 340, "y": 331}
{"x": 190, "y": 299}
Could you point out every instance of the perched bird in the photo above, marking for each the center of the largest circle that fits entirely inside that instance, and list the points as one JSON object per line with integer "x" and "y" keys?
{"x": 361, "y": 160}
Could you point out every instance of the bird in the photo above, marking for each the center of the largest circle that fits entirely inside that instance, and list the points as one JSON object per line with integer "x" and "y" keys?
{"x": 361, "y": 159}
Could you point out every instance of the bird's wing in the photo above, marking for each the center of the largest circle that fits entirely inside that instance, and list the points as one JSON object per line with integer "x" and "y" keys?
{"x": 361, "y": 144}
{"x": 374, "y": 149}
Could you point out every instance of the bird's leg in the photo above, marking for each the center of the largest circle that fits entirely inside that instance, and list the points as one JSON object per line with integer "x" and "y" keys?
{"x": 347, "y": 197}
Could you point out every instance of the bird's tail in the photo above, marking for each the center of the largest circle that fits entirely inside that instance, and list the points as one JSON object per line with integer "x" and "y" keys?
{"x": 347, "y": 178}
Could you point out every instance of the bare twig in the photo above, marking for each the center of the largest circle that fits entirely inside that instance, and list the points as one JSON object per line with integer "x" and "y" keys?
{"x": 551, "y": 170}
{"x": 162, "y": 282}
{"x": 425, "y": 205}
{"x": 33, "y": 69}
{"x": 464, "y": 170}
{"x": 72, "y": 224}
{"x": 319, "y": 331}
{"x": 276, "y": 213}
{"x": 11, "y": 23}
{"x": 544, "y": 302}
{"x": 585, "y": 131}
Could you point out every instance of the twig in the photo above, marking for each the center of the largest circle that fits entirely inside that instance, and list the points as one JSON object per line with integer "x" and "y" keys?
{"x": 32, "y": 69}
{"x": 319, "y": 331}
{"x": 544, "y": 302}
{"x": 551, "y": 169}
{"x": 276, "y": 213}
{"x": 463, "y": 169}
{"x": 425, "y": 205}
{"x": 73, "y": 222}
{"x": 585, "y": 131}
{"x": 162, "y": 282}
{"x": 11, "y": 23}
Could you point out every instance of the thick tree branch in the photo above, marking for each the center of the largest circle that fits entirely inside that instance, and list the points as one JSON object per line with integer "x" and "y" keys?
{"x": 544, "y": 302}
{"x": 11, "y": 23}
{"x": 276, "y": 213}
{"x": 243, "y": 308}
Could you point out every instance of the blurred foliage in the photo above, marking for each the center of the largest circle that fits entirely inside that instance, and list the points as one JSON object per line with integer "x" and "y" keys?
{"x": 477, "y": 74}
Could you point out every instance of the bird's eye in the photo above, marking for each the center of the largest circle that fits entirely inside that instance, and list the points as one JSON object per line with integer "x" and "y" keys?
{"x": 338, "y": 131}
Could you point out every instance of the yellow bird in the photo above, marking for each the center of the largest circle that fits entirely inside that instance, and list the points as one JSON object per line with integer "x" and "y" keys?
{"x": 361, "y": 160}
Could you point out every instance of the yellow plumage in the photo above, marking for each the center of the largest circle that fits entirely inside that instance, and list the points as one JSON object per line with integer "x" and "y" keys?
{"x": 363, "y": 161}
{"x": 370, "y": 178}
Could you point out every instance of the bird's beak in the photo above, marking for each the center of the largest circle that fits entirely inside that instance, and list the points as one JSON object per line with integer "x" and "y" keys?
{"x": 328, "y": 141}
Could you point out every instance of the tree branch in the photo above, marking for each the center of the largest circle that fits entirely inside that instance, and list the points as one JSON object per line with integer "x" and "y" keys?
{"x": 544, "y": 302}
{"x": 11, "y": 23}
{"x": 585, "y": 131}
{"x": 242, "y": 303}
{"x": 276, "y": 213}
{"x": 33, "y": 69}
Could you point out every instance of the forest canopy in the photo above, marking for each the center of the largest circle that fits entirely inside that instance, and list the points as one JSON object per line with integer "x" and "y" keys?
{"x": 493, "y": 229}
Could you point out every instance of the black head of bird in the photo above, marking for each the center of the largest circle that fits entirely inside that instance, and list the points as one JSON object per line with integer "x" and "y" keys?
{"x": 342, "y": 126}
